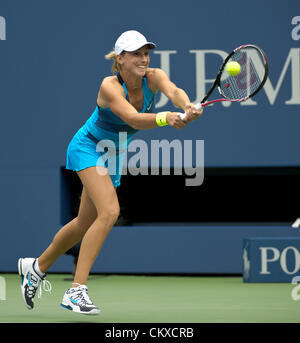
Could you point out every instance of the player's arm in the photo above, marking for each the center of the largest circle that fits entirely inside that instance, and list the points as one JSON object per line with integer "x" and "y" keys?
{"x": 178, "y": 96}
{"x": 110, "y": 95}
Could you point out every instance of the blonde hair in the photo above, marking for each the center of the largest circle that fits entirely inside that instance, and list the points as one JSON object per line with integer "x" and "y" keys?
{"x": 113, "y": 56}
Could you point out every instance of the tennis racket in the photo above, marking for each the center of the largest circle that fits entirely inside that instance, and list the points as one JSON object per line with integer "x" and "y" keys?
{"x": 251, "y": 79}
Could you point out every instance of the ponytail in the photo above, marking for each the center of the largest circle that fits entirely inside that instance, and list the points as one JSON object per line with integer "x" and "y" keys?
{"x": 112, "y": 56}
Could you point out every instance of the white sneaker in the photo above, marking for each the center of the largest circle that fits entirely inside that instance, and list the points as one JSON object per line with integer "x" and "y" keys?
{"x": 77, "y": 300}
{"x": 31, "y": 281}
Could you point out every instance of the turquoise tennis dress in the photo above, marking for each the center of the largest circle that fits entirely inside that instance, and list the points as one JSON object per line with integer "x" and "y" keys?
{"x": 104, "y": 138}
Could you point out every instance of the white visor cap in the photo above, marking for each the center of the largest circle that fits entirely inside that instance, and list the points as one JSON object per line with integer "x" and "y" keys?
{"x": 130, "y": 41}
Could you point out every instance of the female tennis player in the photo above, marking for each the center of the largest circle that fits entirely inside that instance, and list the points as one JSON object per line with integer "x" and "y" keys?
{"x": 125, "y": 104}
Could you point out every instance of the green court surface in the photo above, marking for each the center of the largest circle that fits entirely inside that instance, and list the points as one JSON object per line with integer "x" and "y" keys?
{"x": 158, "y": 299}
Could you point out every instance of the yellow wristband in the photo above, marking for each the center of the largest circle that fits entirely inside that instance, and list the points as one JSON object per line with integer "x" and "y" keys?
{"x": 161, "y": 118}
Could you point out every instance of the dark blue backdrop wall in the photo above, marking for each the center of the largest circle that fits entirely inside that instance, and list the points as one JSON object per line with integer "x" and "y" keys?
{"x": 52, "y": 63}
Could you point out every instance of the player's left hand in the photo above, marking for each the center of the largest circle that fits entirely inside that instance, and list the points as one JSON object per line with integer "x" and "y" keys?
{"x": 191, "y": 113}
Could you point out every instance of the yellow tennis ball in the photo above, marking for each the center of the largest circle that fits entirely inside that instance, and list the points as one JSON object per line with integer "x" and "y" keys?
{"x": 233, "y": 68}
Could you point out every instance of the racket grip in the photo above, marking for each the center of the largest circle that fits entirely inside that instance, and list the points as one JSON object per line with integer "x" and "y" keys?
{"x": 198, "y": 106}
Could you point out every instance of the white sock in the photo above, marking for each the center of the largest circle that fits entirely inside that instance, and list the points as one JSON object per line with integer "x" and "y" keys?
{"x": 78, "y": 285}
{"x": 37, "y": 268}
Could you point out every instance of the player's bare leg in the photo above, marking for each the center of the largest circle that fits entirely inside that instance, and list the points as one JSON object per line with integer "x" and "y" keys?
{"x": 70, "y": 234}
{"x": 100, "y": 190}
{"x": 103, "y": 195}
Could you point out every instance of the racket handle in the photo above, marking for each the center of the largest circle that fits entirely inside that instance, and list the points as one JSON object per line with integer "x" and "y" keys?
{"x": 198, "y": 106}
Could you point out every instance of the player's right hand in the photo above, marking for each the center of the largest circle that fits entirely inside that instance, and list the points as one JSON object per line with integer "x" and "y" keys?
{"x": 192, "y": 113}
{"x": 173, "y": 119}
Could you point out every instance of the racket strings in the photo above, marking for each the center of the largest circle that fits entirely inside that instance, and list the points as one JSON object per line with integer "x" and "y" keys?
{"x": 248, "y": 80}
